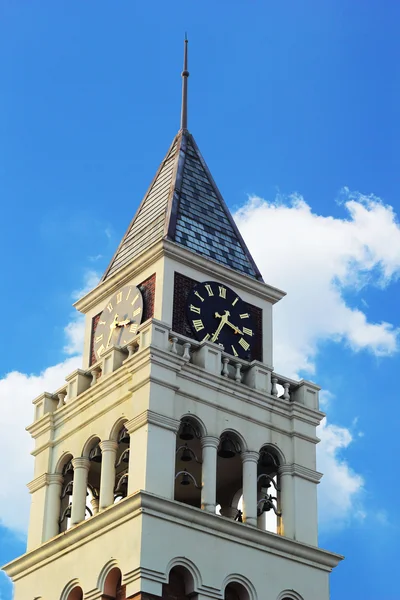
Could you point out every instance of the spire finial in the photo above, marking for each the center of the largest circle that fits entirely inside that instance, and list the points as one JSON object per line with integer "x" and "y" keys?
{"x": 185, "y": 75}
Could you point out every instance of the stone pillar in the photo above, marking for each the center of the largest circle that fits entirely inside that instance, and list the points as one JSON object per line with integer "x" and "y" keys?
{"x": 286, "y": 504}
{"x": 53, "y": 506}
{"x": 209, "y": 446}
{"x": 250, "y": 462}
{"x": 81, "y": 469}
{"x": 107, "y": 480}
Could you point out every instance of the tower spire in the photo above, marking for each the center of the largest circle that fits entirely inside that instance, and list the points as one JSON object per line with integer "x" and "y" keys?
{"x": 185, "y": 75}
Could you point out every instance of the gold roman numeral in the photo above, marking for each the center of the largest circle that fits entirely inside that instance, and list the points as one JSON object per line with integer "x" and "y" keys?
{"x": 247, "y": 331}
{"x": 209, "y": 289}
{"x": 198, "y": 324}
{"x": 101, "y": 350}
{"x": 198, "y": 295}
{"x": 194, "y": 309}
{"x": 128, "y": 294}
{"x": 244, "y": 316}
{"x": 136, "y": 312}
{"x": 206, "y": 337}
{"x": 222, "y": 291}
{"x": 245, "y": 345}
{"x": 119, "y": 297}
{"x": 235, "y": 300}
{"x": 102, "y": 322}
{"x": 134, "y": 300}
{"x": 234, "y": 351}
{"x": 100, "y": 337}
{"x": 133, "y": 328}
{"x": 110, "y": 307}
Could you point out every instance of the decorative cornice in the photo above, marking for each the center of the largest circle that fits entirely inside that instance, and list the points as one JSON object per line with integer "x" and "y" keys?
{"x": 145, "y": 505}
{"x": 120, "y": 277}
{"x": 149, "y": 416}
{"x": 45, "y": 479}
{"x": 301, "y": 471}
{"x": 190, "y": 259}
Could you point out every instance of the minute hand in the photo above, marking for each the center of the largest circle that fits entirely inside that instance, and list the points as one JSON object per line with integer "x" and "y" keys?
{"x": 237, "y": 330}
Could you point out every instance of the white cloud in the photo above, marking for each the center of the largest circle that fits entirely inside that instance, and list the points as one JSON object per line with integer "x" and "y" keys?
{"x": 315, "y": 259}
{"x": 17, "y": 390}
{"x": 340, "y": 491}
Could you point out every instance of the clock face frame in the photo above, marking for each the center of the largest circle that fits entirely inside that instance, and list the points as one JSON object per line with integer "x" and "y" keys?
{"x": 217, "y": 314}
{"x": 119, "y": 321}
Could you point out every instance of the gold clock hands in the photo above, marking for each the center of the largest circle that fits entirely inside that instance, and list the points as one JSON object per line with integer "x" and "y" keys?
{"x": 123, "y": 323}
{"x": 112, "y": 329}
{"x": 237, "y": 330}
{"x": 224, "y": 319}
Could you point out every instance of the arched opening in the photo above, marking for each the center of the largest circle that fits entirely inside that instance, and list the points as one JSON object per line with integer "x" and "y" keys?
{"x": 113, "y": 588}
{"x": 268, "y": 490}
{"x": 229, "y": 475}
{"x": 93, "y": 453}
{"x": 180, "y": 585}
{"x": 236, "y": 591}
{"x": 122, "y": 465}
{"x": 188, "y": 463}
{"x": 75, "y": 594}
{"x": 67, "y": 472}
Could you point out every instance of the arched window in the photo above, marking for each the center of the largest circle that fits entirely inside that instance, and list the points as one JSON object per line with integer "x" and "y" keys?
{"x": 113, "y": 588}
{"x": 268, "y": 490}
{"x": 229, "y": 475}
{"x": 67, "y": 472}
{"x": 236, "y": 591}
{"x": 179, "y": 586}
{"x": 122, "y": 465}
{"x": 188, "y": 463}
{"x": 75, "y": 594}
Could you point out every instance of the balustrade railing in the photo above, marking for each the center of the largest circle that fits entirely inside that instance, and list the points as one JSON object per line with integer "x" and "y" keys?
{"x": 207, "y": 356}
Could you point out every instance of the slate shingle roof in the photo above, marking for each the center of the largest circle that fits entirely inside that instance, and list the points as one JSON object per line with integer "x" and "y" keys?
{"x": 183, "y": 204}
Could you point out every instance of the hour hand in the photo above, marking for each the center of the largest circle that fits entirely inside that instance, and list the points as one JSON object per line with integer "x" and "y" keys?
{"x": 123, "y": 323}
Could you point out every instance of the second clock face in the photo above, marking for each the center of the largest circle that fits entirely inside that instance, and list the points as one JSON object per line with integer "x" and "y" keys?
{"x": 119, "y": 320}
{"x": 216, "y": 313}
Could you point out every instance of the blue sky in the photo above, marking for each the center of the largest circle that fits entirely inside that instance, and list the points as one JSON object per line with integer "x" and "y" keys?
{"x": 295, "y": 108}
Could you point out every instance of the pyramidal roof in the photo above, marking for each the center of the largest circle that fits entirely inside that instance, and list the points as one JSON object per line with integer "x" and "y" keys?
{"x": 184, "y": 205}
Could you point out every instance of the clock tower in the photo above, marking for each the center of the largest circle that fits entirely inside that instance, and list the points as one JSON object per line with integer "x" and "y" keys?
{"x": 176, "y": 462}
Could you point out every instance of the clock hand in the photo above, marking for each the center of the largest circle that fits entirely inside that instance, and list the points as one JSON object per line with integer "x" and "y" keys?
{"x": 224, "y": 319}
{"x": 123, "y": 323}
{"x": 112, "y": 328}
{"x": 237, "y": 330}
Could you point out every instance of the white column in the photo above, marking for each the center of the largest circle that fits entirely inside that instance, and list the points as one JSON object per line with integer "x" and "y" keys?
{"x": 250, "y": 461}
{"x": 81, "y": 469}
{"x": 53, "y": 506}
{"x": 107, "y": 480}
{"x": 286, "y": 485}
{"x": 209, "y": 446}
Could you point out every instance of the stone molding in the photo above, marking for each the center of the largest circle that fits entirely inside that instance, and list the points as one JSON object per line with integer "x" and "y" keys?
{"x": 81, "y": 462}
{"x": 145, "y": 505}
{"x": 42, "y": 480}
{"x": 149, "y": 416}
{"x": 108, "y": 446}
{"x": 250, "y": 456}
{"x": 300, "y": 471}
{"x": 210, "y": 441}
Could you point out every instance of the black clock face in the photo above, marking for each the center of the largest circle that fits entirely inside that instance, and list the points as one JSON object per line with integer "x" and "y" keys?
{"x": 119, "y": 320}
{"x": 216, "y": 313}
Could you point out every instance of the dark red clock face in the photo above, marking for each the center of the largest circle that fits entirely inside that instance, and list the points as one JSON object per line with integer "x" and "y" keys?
{"x": 217, "y": 314}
